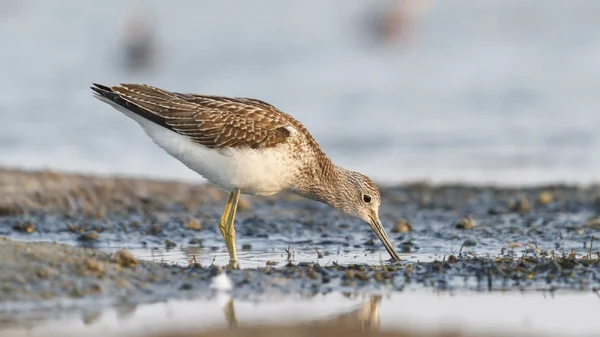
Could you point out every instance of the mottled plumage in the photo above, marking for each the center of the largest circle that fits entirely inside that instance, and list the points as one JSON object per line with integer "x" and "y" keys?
{"x": 245, "y": 145}
{"x": 212, "y": 121}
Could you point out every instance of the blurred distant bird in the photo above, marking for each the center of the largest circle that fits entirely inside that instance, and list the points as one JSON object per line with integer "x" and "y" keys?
{"x": 139, "y": 40}
{"x": 397, "y": 21}
{"x": 245, "y": 145}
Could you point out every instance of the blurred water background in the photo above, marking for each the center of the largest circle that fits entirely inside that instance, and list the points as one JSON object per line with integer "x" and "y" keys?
{"x": 501, "y": 91}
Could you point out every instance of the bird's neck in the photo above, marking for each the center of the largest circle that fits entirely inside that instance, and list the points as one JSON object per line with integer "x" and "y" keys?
{"x": 326, "y": 185}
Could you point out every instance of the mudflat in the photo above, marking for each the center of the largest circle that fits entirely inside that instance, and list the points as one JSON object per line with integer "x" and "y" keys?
{"x": 73, "y": 241}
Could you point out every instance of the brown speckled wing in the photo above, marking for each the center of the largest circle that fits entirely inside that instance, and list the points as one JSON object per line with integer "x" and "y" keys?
{"x": 213, "y": 121}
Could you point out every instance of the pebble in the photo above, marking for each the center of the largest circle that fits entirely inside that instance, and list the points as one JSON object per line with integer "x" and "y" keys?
{"x": 195, "y": 241}
{"x": 125, "y": 259}
{"x": 25, "y": 227}
{"x": 193, "y": 224}
{"x": 466, "y": 223}
{"x": 402, "y": 226}
{"x": 545, "y": 197}
{"x": 94, "y": 266}
{"x": 522, "y": 205}
{"x": 89, "y": 236}
{"x": 170, "y": 244}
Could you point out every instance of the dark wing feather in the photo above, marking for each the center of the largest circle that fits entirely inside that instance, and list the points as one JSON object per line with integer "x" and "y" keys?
{"x": 213, "y": 121}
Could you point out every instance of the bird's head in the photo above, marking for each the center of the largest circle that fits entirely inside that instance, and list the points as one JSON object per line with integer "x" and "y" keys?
{"x": 359, "y": 197}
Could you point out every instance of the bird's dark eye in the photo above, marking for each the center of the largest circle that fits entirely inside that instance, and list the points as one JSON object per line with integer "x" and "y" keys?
{"x": 366, "y": 198}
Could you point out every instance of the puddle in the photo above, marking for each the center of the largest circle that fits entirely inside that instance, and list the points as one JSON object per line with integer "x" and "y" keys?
{"x": 500, "y": 313}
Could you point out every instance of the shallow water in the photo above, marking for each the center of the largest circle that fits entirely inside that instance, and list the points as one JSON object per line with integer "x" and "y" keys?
{"x": 259, "y": 258}
{"x": 502, "y": 91}
{"x": 502, "y": 313}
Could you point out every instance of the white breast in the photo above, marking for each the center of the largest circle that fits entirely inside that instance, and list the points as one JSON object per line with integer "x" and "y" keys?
{"x": 258, "y": 172}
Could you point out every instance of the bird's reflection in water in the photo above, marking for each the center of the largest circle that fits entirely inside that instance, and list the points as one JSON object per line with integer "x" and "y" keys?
{"x": 364, "y": 317}
{"x": 230, "y": 315}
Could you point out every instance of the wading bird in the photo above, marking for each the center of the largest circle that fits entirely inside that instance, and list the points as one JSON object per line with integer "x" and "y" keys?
{"x": 245, "y": 145}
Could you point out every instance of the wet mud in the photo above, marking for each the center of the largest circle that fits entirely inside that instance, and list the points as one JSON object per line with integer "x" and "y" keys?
{"x": 452, "y": 238}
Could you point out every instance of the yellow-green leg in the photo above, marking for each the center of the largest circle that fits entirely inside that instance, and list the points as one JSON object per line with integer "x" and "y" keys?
{"x": 226, "y": 225}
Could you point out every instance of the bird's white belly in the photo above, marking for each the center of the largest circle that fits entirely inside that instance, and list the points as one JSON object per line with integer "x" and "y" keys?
{"x": 258, "y": 172}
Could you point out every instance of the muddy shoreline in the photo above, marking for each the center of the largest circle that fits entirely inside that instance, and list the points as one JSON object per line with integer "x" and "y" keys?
{"x": 452, "y": 238}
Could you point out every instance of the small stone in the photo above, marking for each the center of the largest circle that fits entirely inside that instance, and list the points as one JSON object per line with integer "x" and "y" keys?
{"x": 89, "y": 236}
{"x": 94, "y": 266}
{"x": 350, "y": 274}
{"x": 545, "y": 197}
{"x": 25, "y": 227}
{"x": 522, "y": 205}
{"x": 154, "y": 229}
{"x": 370, "y": 242}
{"x": 452, "y": 259}
{"x": 494, "y": 210}
{"x": 513, "y": 245}
{"x": 195, "y": 241}
{"x": 379, "y": 277}
{"x": 170, "y": 244}
{"x": 246, "y": 246}
{"x": 125, "y": 259}
{"x": 271, "y": 263}
{"x": 466, "y": 223}
{"x": 193, "y": 224}
{"x": 75, "y": 229}
{"x": 42, "y": 273}
{"x": 406, "y": 246}
{"x": 402, "y": 226}
{"x": 186, "y": 286}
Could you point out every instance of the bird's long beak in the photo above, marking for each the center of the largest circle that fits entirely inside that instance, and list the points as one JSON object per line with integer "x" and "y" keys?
{"x": 377, "y": 227}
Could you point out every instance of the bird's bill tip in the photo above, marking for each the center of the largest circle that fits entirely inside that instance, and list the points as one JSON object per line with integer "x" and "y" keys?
{"x": 377, "y": 227}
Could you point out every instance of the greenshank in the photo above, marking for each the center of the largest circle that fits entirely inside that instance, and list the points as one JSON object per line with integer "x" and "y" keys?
{"x": 245, "y": 145}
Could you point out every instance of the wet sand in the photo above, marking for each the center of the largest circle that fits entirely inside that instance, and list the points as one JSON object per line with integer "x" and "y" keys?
{"x": 453, "y": 238}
